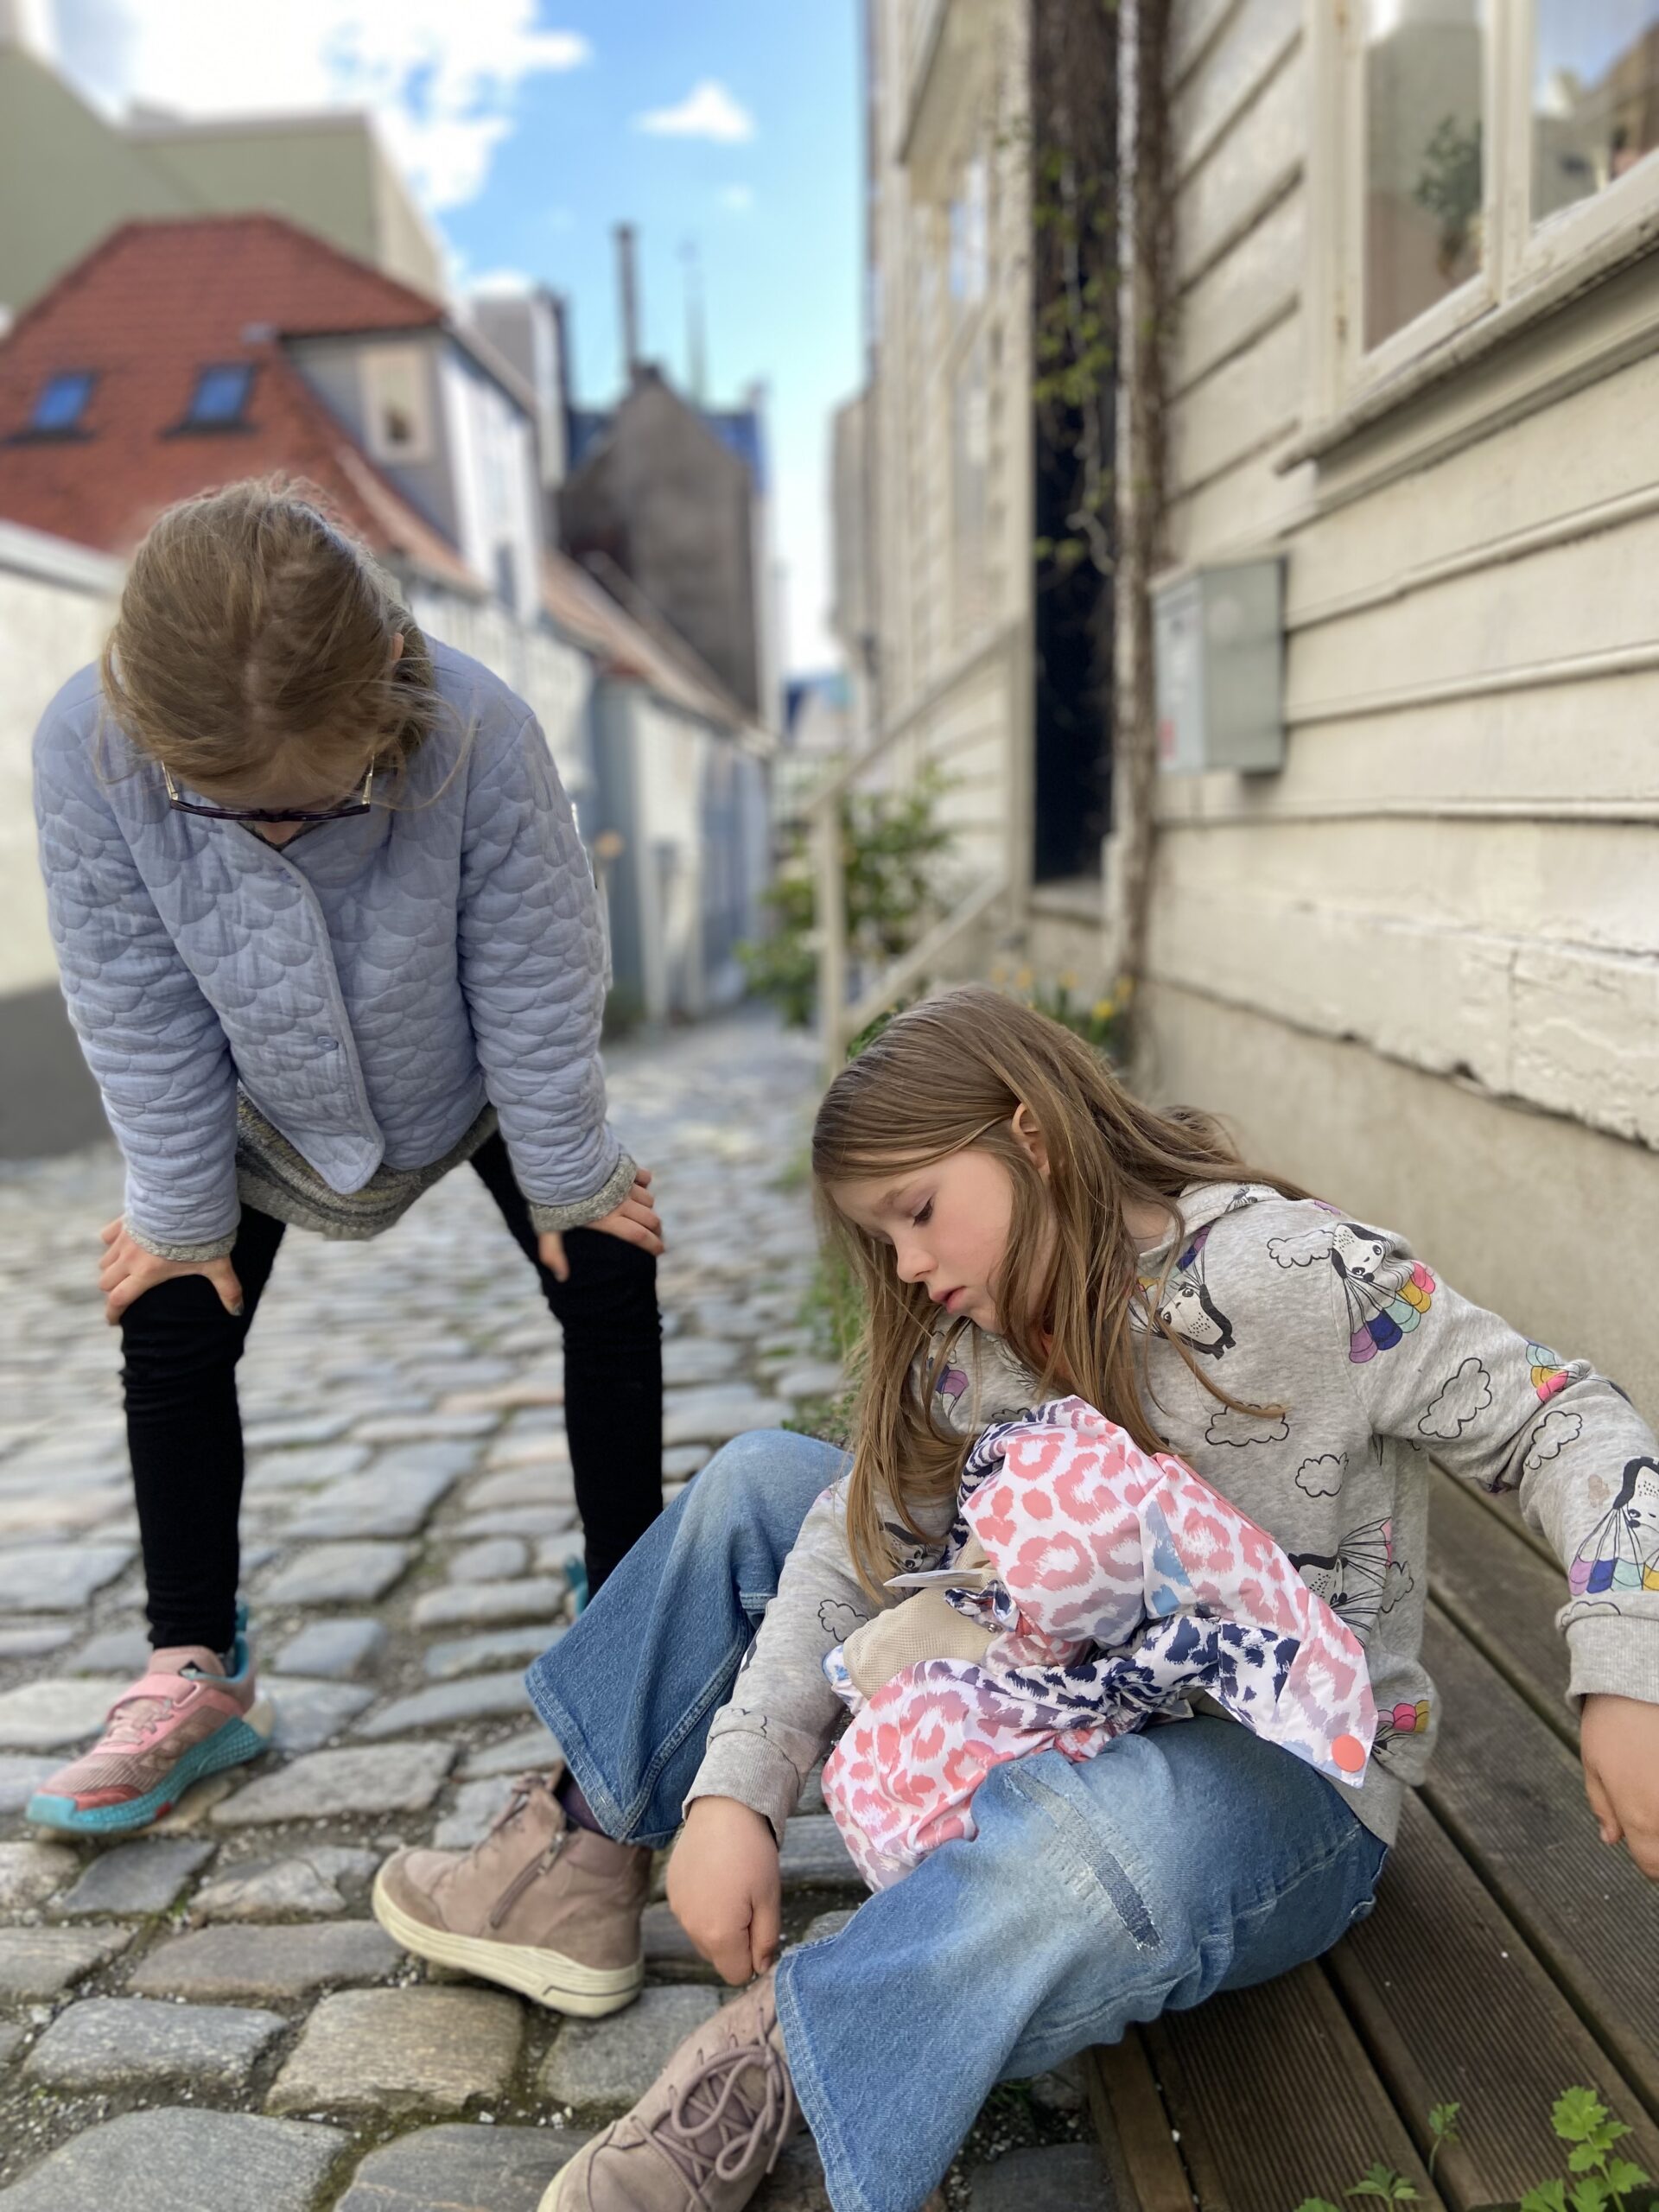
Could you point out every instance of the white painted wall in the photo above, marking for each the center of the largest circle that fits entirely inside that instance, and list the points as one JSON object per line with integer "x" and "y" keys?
{"x": 1442, "y": 917}
{"x": 554, "y": 679}
{"x": 56, "y": 605}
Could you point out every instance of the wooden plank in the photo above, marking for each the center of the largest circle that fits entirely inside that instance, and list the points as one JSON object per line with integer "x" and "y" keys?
{"x": 1438, "y": 1980}
{"x": 1275, "y": 2099}
{"x": 1501, "y": 1594}
{"x": 1511, "y": 1795}
{"x": 1134, "y": 2129}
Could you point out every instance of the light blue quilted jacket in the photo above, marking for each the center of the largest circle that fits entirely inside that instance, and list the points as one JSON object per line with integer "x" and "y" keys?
{"x": 373, "y": 988}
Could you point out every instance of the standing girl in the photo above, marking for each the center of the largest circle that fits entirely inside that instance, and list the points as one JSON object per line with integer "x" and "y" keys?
{"x": 326, "y": 931}
{"x": 1021, "y": 1227}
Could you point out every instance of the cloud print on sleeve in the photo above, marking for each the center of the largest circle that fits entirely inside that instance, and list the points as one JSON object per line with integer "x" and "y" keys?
{"x": 1467, "y": 1393}
{"x": 1553, "y": 1434}
{"x": 1300, "y": 1251}
{"x": 839, "y": 1620}
{"x": 1229, "y": 1426}
{"x": 1322, "y": 1477}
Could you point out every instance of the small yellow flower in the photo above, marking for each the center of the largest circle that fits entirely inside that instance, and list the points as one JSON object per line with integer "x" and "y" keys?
{"x": 1104, "y": 1009}
{"x": 1024, "y": 980}
{"x": 1068, "y": 981}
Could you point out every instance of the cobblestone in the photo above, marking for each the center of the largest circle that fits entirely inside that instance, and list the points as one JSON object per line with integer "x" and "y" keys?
{"x": 333, "y": 1648}
{"x": 328, "y": 1574}
{"x": 401, "y": 2050}
{"x": 233, "y": 2161}
{"x": 30, "y": 1873}
{"x": 604, "y": 2065}
{"x": 44, "y": 1716}
{"x": 392, "y": 1778}
{"x": 403, "y": 1408}
{"x": 463, "y": 2170}
{"x": 135, "y": 2042}
{"x": 263, "y": 1962}
{"x": 41, "y": 1962}
{"x": 315, "y": 1884}
{"x": 134, "y": 1879}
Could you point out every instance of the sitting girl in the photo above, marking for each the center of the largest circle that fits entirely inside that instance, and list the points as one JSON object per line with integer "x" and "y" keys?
{"x": 1088, "y": 1588}
{"x": 1022, "y": 1228}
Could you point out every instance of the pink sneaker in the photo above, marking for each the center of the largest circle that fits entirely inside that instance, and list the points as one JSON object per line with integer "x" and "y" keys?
{"x": 185, "y": 1717}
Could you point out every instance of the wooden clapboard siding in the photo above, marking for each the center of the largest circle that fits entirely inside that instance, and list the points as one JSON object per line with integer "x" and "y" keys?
{"x": 1456, "y": 867}
{"x": 1242, "y": 294}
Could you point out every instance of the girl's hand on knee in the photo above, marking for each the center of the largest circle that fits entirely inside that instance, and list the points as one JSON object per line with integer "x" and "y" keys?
{"x": 636, "y": 1221}
{"x": 724, "y": 1887}
{"x": 129, "y": 1271}
{"x": 1619, "y": 1742}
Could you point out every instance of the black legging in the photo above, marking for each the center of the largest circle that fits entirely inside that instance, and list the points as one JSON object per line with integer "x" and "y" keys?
{"x": 185, "y": 1433}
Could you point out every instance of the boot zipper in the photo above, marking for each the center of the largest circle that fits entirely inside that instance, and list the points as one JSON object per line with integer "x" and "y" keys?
{"x": 523, "y": 1879}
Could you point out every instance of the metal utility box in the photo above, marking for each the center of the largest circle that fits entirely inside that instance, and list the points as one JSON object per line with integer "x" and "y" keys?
{"x": 1218, "y": 665}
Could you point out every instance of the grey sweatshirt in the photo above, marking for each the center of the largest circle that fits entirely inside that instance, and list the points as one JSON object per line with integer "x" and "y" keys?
{"x": 1378, "y": 1366}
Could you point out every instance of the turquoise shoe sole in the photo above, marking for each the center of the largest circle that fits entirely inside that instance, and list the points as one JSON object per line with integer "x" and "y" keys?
{"x": 232, "y": 1745}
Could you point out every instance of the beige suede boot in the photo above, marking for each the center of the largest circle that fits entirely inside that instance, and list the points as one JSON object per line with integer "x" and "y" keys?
{"x": 541, "y": 1906}
{"x": 707, "y": 2133}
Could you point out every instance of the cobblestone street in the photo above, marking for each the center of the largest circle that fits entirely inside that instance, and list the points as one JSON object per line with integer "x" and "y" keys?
{"x": 209, "y": 2014}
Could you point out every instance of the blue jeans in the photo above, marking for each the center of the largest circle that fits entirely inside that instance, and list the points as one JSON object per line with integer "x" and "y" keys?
{"x": 1181, "y": 1860}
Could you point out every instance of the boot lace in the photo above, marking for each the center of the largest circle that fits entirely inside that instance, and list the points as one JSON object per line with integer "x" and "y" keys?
{"x": 712, "y": 2132}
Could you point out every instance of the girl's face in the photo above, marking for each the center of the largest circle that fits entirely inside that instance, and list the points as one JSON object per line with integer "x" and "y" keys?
{"x": 948, "y": 1224}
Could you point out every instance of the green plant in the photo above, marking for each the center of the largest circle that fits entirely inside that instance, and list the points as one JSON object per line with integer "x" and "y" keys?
{"x": 1101, "y": 1020}
{"x": 1450, "y": 190}
{"x": 1604, "y": 2181}
{"x": 890, "y": 842}
{"x": 1443, "y": 2127}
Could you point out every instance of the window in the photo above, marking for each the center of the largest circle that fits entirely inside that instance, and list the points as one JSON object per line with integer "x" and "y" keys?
{"x": 1424, "y": 155}
{"x": 1595, "y": 98}
{"x": 397, "y": 415}
{"x": 1467, "y": 153}
{"x": 61, "y": 403}
{"x": 969, "y": 234}
{"x": 219, "y": 398}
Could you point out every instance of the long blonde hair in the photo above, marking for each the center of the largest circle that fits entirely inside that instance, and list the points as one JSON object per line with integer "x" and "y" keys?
{"x": 953, "y": 1073}
{"x": 255, "y": 638}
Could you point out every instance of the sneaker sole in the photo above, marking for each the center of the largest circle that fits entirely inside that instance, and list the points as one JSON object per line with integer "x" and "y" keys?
{"x": 547, "y": 1977}
{"x": 233, "y": 1745}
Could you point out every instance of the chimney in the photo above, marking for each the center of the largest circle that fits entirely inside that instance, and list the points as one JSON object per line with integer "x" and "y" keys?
{"x": 628, "y": 298}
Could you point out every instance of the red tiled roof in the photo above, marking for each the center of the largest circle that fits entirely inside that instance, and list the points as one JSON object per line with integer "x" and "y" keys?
{"x": 149, "y": 307}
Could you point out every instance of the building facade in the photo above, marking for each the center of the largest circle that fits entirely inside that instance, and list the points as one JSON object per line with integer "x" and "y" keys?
{"x": 69, "y": 174}
{"x": 1410, "y": 326}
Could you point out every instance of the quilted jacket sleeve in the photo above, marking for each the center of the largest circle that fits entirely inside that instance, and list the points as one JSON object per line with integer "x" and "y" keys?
{"x": 152, "y": 1041}
{"x": 532, "y": 966}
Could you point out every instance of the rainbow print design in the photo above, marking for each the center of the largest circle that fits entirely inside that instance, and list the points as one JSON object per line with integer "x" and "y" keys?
{"x": 1622, "y": 1551}
{"x": 1385, "y": 1298}
{"x": 1548, "y": 1371}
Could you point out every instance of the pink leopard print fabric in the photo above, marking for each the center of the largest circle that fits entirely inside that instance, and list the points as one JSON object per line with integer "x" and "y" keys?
{"x": 1125, "y": 1584}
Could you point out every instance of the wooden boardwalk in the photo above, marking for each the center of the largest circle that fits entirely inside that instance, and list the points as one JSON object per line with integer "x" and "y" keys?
{"x": 1511, "y": 1954}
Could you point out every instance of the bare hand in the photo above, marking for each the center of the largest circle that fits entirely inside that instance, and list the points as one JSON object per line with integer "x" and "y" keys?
{"x": 635, "y": 1221}
{"x": 1619, "y": 1740}
{"x": 129, "y": 1271}
{"x": 724, "y": 1888}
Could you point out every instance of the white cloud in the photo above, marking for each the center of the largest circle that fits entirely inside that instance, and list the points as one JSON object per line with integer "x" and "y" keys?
{"x": 739, "y": 198}
{"x": 1458, "y": 1400}
{"x": 501, "y": 284}
{"x": 1322, "y": 1477}
{"x": 441, "y": 81}
{"x": 707, "y": 110}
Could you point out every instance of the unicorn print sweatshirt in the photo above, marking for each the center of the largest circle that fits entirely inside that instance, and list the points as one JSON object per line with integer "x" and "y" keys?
{"x": 1371, "y": 1366}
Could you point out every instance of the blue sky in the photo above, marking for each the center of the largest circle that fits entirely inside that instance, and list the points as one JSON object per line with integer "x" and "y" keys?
{"x": 528, "y": 130}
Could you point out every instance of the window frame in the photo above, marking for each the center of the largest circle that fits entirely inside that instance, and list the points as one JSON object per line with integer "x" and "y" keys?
{"x": 1520, "y": 261}
{"x": 75, "y": 426}
{"x": 376, "y": 365}
{"x": 192, "y": 425}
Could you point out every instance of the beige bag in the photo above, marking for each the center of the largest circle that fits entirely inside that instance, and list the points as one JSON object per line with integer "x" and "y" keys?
{"x": 923, "y": 1627}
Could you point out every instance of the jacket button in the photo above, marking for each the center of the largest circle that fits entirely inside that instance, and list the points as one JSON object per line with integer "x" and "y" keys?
{"x": 328, "y": 1044}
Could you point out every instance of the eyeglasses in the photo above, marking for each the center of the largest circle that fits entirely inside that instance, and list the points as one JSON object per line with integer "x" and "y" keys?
{"x": 358, "y": 805}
